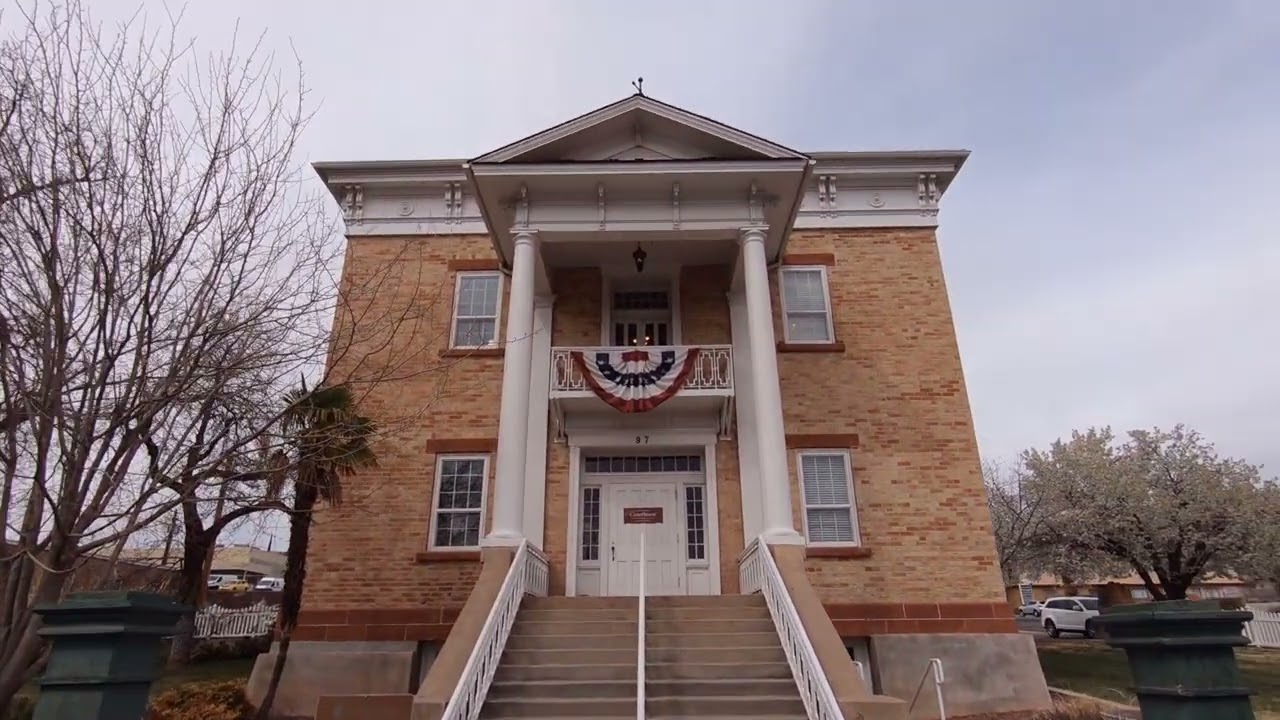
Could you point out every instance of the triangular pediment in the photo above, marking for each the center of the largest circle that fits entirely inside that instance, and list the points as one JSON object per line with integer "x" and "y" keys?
{"x": 638, "y": 128}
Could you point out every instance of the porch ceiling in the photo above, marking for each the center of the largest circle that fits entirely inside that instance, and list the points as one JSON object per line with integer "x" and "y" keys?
{"x": 662, "y": 253}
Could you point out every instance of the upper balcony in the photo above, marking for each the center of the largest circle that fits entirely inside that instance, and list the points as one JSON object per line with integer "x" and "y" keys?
{"x": 679, "y": 378}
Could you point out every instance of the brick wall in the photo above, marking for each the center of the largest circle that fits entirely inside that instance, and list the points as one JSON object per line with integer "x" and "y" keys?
{"x": 895, "y": 395}
{"x": 369, "y": 553}
{"x": 704, "y": 307}
{"x": 899, "y": 388}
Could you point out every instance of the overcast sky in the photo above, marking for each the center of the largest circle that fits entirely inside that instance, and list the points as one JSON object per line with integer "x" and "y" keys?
{"x": 1110, "y": 247}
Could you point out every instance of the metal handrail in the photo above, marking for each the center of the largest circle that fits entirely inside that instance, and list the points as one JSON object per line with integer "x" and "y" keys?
{"x": 640, "y": 631}
{"x": 939, "y": 678}
{"x": 759, "y": 571}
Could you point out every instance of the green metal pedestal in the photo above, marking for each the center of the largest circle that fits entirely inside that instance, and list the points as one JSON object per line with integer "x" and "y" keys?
{"x": 105, "y": 654}
{"x": 1182, "y": 657}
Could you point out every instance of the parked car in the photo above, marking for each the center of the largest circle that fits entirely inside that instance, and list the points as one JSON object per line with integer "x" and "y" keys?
{"x": 1031, "y": 609}
{"x": 270, "y": 584}
{"x": 1069, "y": 614}
{"x": 235, "y": 586}
{"x": 216, "y": 581}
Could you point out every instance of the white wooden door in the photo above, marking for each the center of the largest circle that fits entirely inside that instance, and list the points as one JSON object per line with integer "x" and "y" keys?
{"x": 647, "y": 510}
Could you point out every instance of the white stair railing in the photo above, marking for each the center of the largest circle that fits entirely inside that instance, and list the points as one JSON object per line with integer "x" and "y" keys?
{"x": 528, "y": 575}
{"x": 640, "y": 630}
{"x": 934, "y": 668}
{"x": 759, "y": 573}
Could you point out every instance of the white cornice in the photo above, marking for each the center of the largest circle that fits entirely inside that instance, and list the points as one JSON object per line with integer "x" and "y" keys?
{"x": 845, "y": 189}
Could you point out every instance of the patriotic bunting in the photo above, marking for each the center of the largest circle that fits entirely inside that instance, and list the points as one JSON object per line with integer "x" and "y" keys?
{"x": 636, "y": 379}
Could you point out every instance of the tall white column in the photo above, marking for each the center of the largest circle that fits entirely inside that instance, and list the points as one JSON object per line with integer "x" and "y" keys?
{"x": 513, "y": 419}
{"x": 771, "y": 442}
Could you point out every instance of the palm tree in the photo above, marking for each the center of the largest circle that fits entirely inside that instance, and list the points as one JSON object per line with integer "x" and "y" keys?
{"x": 325, "y": 440}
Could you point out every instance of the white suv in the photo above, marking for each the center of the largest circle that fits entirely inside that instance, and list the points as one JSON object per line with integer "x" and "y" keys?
{"x": 1069, "y": 614}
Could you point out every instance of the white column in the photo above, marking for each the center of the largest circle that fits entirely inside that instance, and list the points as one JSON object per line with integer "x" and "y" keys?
{"x": 771, "y": 443}
{"x": 513, "y": 420}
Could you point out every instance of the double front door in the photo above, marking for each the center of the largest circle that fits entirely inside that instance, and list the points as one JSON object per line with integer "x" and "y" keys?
{"x": 642, "y": 514}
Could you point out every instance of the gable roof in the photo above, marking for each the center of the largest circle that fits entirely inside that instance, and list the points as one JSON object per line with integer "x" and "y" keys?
{"x": 639, "y": 128}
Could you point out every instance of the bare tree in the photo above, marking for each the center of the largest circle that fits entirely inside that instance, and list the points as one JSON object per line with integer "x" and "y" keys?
{"x": 1163, "y": 503}
{"x": 167, "y": 277}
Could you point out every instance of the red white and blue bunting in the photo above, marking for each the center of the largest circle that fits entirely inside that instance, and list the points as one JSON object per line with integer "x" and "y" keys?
{"x": 636, "y": 379}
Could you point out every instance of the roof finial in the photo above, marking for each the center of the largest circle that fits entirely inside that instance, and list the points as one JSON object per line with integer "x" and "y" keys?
{"x": 638, "y": 84}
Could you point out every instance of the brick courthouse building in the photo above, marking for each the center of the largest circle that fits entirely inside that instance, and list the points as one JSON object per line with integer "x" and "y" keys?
{"x": 664, "y": 325}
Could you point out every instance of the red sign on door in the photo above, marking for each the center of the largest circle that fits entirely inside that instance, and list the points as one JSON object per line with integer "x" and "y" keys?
{"x": 642, "y": 516}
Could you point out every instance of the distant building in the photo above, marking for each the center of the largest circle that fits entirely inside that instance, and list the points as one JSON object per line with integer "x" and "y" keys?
{"x": 1119, "y": 590}
{"x": 241, "y": 561}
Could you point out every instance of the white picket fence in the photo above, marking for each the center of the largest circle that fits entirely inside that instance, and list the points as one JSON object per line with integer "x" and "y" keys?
{"x": 1264, "y": 629}
{"x": 215, "y": 621}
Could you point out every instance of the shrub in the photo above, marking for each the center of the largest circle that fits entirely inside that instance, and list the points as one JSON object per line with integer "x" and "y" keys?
{"x": 222, "y": 700}
{"x": 231, "y": 649}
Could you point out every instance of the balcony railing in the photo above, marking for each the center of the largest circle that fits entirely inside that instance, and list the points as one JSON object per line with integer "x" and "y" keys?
{"x": 712, "y": 370}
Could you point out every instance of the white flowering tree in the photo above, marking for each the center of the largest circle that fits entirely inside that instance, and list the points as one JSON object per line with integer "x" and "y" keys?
{"x": 1163, "y": 503}
{"x": 1026, "y": 542}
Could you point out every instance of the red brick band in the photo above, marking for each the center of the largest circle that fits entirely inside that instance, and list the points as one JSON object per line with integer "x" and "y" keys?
{"x": 821, "y": 441}
{"x": 387, "y": 624}
{"x": 859, "y": 619}
{"x": 462, "y": 445}
{"x": 834, "y": 347}
{"x": 809, "y": 259}
{"x": 473, "y": 264}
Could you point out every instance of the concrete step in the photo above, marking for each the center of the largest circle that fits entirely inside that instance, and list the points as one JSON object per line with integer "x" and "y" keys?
{"x": 728, "y": 706}
{"x": 563, "y": 690}
{"x": 579, "y": 708}
{"x": 696, "y": 601}
{"x": 723, "y": 640}
{"x": 655, "y": 626}
{"x": 526, "y": 626}
{"x": 574, "y": 642}
{"x": 735, "y": 687}
{"x": 716, "y": 671}
{"x": 579, "y": 603}
{"x": 508, "y": 672}
{"x": 575, "y": 656}
{"x": 702, "y": 656}
{"x": 554, "y": 614}
{"x": 708, "y": 612}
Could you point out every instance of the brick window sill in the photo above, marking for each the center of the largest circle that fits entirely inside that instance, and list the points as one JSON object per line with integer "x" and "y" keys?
{"x": 843, "y": 553}
{"x": 472, "y": 352}
{"x": 447, "y": 556}
{"x": 835, "y": 347}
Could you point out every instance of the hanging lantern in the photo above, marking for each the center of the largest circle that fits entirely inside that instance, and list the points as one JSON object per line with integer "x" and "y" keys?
{"x": 639, "y": 255}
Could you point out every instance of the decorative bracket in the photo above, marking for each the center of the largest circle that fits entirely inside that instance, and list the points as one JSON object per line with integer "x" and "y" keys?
{"x": 675, "y": 205}
{"x": 453, "y": 203}
{"x": 522, "y": 208}
{"x": 927, "y": 193}
{"x": 353, "y": 203}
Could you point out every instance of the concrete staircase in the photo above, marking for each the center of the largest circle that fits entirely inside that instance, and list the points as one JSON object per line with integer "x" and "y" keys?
{"x": 707, "y": 657}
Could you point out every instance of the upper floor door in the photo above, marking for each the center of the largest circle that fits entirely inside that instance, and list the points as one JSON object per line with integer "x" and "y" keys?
{"x": 641, "y": 317}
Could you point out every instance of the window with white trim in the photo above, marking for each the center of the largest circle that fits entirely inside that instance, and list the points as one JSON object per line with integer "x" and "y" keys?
{"x": 476, "y": 309}
{"x": 458, "y": 513}
{"x": 806, "y": 305}
{"x": 830, "y": 514}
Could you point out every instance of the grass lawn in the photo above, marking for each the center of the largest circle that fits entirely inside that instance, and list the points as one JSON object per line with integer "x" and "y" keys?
{"x": 1092, "y": 668}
